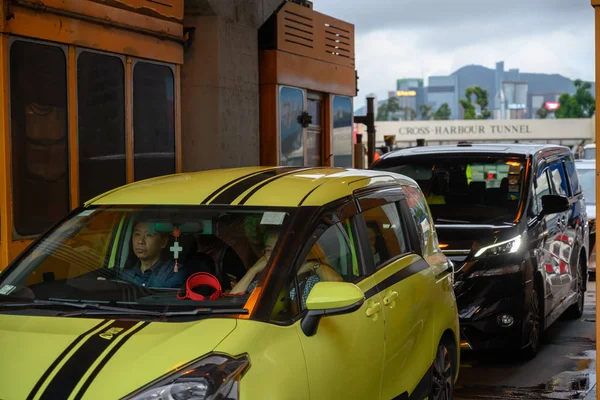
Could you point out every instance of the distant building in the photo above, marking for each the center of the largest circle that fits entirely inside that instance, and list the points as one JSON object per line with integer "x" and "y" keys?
{"x": 410, "y": 94}
{"x": 444, "y": 89}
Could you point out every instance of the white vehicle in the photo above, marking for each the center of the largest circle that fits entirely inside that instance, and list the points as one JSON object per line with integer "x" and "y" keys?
{"x": 587, "y": 178}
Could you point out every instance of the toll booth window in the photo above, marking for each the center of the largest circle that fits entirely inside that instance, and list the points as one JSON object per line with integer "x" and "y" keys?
{"x": 39, "y": 136}
{"x": 153, "y": 120}
{"x": 342, "y": 132}
{"x": 291, "y": 106}
{"x": 101, "y": 123}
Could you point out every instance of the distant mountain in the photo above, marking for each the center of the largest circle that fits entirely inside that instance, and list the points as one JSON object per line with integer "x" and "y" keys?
{"x": 472, "y": 75}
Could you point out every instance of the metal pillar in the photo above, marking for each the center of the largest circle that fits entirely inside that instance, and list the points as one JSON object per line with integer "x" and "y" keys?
{"x": 369, "y": 122}
{"x": 596, "y": 5}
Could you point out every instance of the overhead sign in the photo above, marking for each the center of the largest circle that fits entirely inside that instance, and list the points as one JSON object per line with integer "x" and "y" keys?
{"x": 483, "y": 130}
{"x": 406, "y": 93}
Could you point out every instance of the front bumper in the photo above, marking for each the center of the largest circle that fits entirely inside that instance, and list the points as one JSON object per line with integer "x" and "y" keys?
{"x": 482, "y": 303}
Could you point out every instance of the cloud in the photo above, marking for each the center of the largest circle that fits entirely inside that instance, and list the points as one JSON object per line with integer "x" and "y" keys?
{"x": 419, "y": 38}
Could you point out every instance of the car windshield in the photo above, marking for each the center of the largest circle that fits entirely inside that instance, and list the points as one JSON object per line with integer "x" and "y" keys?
{"x": 465, "y": 189}
{"x": 589, "y": 153}
{"x": 587, "y": 178}
{"x": 141, "y": 256}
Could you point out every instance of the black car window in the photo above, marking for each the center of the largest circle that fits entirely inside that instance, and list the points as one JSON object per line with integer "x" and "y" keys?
{"x": 559, "y": 178}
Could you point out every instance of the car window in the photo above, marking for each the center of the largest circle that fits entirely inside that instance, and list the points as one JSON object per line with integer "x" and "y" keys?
{"x": 418, "y": 209}
{"x": 331, "y": 255}
{"x": 386, "y": 233}
{"x": 543, "y": 188}
{"x": 559, "y": 178}
{"x": 573, "y": 176}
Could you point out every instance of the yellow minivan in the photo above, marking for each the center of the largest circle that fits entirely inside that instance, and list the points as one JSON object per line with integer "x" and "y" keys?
{"x": 248, "y": 283}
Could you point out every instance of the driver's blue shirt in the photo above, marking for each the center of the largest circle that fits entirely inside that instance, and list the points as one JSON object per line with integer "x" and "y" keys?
{"x": 161, "y": 275}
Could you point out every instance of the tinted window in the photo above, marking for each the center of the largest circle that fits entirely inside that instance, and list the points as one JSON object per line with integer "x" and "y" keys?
{"x": 465, "y": 188}
{"x": 291, "y": 106}
{"x": 342, "y": 132}
{"x": 419, "y": 211}
{"x": 39, "y": 136}
{"x": 101, "y": 123}
{"x": 572, "y": 172}
{"x": 386, "y": 233}
{"x": 153, "y": 120}
{"x": 559, "y": 178}
{"x": 543, "y": 188}
{"x": 332, "y": 257}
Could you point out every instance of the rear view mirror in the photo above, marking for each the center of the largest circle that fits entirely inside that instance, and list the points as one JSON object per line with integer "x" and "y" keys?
{"x": 330, "y": 298}
{"x": 554, "y": 204}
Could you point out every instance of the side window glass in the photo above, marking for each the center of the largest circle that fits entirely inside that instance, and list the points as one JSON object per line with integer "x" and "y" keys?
{"x": 331, "y": 258}
{"x": 386, "y": 233}
{"x": 543, "y": 188}
{"x": 420, "y": 212}
{"x": 573, "y": 177}
{"x": 559, "y": 179}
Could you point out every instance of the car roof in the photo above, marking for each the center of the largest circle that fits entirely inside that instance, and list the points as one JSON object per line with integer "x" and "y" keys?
{"x": 250, "y": 186}
{"x": 524, "y": 149}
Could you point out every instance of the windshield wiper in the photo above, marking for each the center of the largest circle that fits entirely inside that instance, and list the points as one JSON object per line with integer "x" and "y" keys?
{"x": 82, "y": 305}
{"x": 206, "y": 311}
{"x": 455, "y": 221}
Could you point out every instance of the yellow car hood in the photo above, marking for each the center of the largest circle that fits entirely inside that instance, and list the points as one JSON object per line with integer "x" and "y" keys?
{"x": 85, "y": 358}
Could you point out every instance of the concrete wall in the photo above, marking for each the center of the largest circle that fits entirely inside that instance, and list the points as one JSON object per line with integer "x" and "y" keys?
{"x": 220, "y": 94}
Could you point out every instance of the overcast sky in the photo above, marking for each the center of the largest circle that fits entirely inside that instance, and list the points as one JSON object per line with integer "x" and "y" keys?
{"x": 418, "y": 38}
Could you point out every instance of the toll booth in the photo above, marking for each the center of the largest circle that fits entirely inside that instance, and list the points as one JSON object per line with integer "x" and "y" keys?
{"x": 90, "y": 102}
{"x": 308, "y": 76}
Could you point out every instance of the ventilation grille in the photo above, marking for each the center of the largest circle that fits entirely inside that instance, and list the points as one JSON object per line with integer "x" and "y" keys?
{"x": 308, "y": 33}
{"x": 298, "y": 30}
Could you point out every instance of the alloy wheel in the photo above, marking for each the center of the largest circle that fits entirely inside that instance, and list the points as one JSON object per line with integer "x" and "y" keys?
{"x": 443, "y": 375}
{"x": 534, "y": 321}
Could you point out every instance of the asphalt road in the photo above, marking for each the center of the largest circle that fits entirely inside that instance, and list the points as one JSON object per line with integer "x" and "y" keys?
{"x": 563, "y": 369}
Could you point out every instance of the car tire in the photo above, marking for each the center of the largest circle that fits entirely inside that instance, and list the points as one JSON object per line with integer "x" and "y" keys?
{"x": 536, "y": 318}
{"x": 576, "y": 310}
{"x": 443, "y": 371}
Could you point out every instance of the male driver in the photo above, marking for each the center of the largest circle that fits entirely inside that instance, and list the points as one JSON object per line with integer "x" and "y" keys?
{"x": 150, "y": 270}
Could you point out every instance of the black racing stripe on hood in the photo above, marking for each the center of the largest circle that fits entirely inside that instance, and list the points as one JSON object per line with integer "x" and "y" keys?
{"x": 64, "y": 382}
{"x": 62, "y": 355}
{"x": 106, "y": 359}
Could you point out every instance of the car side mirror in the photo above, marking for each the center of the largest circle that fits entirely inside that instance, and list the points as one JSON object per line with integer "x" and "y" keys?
{"x": 554, "y": 203}
{"x": 330, "y": 298}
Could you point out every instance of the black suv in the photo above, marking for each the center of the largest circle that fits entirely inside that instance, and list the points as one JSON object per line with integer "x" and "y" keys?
{"x": 512, "y": 219}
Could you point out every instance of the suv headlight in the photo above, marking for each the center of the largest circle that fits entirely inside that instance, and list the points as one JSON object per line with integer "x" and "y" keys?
{"x": 505, "y": 247}
{"x": 212, "y": 377}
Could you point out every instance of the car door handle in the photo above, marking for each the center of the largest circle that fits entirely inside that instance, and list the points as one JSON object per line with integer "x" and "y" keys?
{"x": 390, "y": 298}
{"x": 373, "y": 310}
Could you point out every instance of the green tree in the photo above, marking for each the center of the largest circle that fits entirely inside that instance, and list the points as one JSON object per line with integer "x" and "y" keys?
{"x": 582, "y": 104}
{"x": 542, "y": 113}
{"x": 387, "y": 109}
{"x": 409, "y": 114}
{"x": 481, "y": 99}
{"x": 442, "y": 113}
{"x": 425, "y": 111}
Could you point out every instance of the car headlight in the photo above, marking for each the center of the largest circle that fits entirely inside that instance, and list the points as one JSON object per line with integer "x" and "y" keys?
{"x": 505, "y": 247}
{"x": 213, "y": 377}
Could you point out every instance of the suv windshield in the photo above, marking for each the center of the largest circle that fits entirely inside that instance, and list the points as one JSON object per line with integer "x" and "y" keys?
{"x": 465, "y": 189}
{"x": 141, "y": 256}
